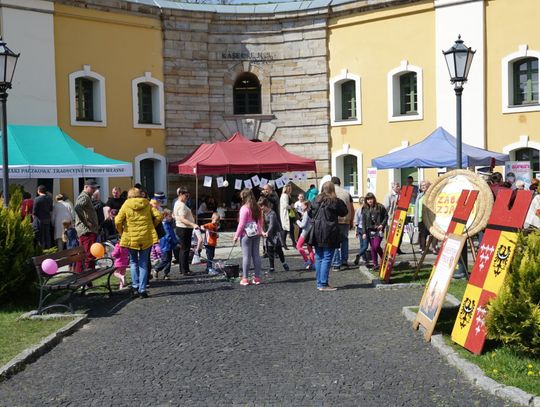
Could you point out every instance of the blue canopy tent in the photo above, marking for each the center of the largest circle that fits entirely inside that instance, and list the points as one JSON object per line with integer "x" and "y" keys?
{"x": 438, "y": 150}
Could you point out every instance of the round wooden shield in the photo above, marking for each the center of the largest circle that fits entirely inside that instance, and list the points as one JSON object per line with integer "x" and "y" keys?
{"x": 442, "y": 196}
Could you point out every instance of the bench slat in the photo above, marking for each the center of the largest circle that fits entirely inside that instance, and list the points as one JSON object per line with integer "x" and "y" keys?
{"x": 62, "y": 258}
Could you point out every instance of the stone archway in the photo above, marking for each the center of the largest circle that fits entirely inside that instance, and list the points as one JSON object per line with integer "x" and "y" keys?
{"x": 253, "y": 126}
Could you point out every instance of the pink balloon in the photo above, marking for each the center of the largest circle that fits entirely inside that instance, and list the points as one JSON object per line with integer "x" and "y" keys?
{"x": 49, "y": 266}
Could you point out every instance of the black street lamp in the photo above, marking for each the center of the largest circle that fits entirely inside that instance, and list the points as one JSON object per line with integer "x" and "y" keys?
{"x": 458, "y": 60}
{"x": 8, "y": 62}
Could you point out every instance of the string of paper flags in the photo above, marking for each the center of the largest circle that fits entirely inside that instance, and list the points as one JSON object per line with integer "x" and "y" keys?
{"x": 256, "y": 181}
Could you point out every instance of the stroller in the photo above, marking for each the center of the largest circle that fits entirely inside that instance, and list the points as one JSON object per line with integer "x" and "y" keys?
{"x": 229, "y": 270}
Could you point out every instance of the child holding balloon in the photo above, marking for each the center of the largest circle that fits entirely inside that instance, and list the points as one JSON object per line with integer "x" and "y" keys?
{"x": 121, "y": 262}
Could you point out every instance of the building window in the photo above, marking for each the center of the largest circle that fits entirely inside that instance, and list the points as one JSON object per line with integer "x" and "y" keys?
{"x": 84, "y": 99}
{"x": 408, "y": 94}
{"x": 348, "y": 100}
{"x": 519, "y": 76}
{"x": 87, "y": 98}
{"x": 350, "y": 174}
{"x": 525, "y": 81}
{"x": 148, "y": 102}
{"x": 145, "y": 103}
{"x": 405, "y": 93}
{"x": 247, "y": 94}
{"x": 345, "y": 99}
{"x": 529, "y": 154}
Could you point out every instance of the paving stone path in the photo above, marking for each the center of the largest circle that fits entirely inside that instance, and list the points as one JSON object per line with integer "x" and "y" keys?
{"x": 200, "y": 341}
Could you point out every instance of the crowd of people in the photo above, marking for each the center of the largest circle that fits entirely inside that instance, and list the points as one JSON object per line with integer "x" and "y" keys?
{"x": 317, "y": 224}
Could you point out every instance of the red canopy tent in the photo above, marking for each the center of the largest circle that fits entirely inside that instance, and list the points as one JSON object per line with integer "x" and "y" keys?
{"x": 238, "y": 155}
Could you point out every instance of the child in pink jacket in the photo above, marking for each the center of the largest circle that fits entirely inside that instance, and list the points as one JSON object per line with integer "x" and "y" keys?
{"x": 121, "y": 263}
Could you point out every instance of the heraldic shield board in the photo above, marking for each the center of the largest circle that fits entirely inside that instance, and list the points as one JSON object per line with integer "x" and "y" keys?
{"x": 395, "y": 232}
{"x": 437, "y": 286}
{"x": 490, "y": 267}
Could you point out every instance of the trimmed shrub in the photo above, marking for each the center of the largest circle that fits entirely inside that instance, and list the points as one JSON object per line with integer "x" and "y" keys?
{"x": 17, "y": 275}
{"x": 514, "y": 316}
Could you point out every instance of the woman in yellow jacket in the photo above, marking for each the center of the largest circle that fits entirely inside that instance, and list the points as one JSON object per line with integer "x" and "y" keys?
{"x": 136, "y": 224}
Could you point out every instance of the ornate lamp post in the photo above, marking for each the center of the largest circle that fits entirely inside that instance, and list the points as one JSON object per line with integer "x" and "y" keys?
{"x": 458, "y": 60}
{"x": 8, "y": 62}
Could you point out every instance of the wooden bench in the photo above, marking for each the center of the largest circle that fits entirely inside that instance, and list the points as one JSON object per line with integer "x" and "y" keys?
{"x": 69, "y": 280}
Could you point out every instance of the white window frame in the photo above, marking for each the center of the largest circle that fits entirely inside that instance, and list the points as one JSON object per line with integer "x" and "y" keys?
{"x": 393, "y": 93}
{"x": 99, "y": 98}
{"x": 508, "y": 80}
{"x": 335, "y": 98}
{"x": 524, "y": 142}
{"x": 160, "y": 169}
{"x": 337, "y": 166}
{"x": 158, "y": 102}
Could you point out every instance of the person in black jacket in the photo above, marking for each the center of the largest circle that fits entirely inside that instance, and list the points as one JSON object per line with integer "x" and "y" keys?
{"x": 41, "y": 217}
{"x": 326, "y": 236}
{"x": 374, "y": 220}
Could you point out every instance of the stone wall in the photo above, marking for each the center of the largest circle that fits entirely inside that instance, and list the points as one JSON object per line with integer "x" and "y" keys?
{"x": 205, "y": 52}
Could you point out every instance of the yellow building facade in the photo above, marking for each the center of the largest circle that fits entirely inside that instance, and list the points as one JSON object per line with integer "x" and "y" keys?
{"x": 364, "y": 48}
{"x": 110, "y": 94}
{"x": 513, "y": 126}
{"x": 392, "y": 57}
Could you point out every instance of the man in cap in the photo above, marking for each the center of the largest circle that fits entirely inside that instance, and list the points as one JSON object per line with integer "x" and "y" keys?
{"x": 86, "y": 221}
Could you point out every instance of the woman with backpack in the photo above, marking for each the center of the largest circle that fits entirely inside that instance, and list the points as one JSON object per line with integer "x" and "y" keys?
{"x": 325, "y": 235}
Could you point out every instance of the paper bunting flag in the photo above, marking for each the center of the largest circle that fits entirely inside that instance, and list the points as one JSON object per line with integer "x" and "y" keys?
{"x": 264, "y": 181}
{"x": 238, "y": 184}
{"x": 279, "y": 183}
{"x": 207, "y": 181}
{"x": 219, "y": 181}
{"x": 248, "y": 184}
{"x": 255, "y": 180}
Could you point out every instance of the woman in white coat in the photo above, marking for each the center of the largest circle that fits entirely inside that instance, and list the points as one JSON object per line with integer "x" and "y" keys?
{"x": 62, "y": 210}
{"x": 285, "y": 205}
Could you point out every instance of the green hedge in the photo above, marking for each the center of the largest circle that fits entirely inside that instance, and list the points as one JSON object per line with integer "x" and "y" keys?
{"x": 514, "y": 316}
{"x": 17, "y": 276}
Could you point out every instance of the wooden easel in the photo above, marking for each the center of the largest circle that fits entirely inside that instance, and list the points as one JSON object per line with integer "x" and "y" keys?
{"x": 458, "y": 224}
{"x": 428, "y": 244}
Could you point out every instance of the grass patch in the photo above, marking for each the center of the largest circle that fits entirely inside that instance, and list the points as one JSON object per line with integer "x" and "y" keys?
{"x": 407, "y": 276}
{"x": 15, "y": 336}
{"x": 457, "y": 288}
{"x": 505, "y": 366}
{"x": 498, "y": 362}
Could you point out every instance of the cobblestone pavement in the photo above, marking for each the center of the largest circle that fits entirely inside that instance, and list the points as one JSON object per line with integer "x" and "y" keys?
{"x": 200, "y": 341}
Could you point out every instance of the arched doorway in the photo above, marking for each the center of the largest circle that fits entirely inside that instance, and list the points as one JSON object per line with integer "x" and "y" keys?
{"x": 347, "y": 165}
{"x": 528, "y": 154}
{"x": 151, "y": 171}
{"x": 148, "y": 175}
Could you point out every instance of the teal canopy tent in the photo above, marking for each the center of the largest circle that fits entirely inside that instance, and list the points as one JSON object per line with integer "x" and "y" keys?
{"x": 48, "y": 152}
